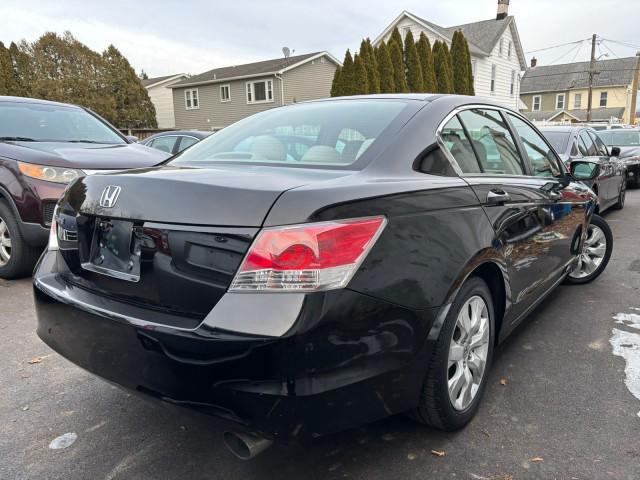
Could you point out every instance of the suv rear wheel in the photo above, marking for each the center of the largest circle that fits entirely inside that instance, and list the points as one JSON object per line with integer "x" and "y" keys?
{"x": 456, "y": 377}
{"x": 16, "y": 257}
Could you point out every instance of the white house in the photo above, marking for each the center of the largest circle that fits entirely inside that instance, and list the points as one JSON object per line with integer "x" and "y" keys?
{"x": 162, "y": 97}
{"x": 497, "y": 56}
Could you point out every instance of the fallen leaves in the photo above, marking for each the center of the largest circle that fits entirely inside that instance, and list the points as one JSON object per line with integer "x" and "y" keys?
{"x": 537, "y": 459}
{"x": 438, "y": 453}
{"x": 503, "y": 381}
{"x": 35, "y": 360}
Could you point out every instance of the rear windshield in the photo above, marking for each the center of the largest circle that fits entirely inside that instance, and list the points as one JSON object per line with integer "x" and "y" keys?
{"x": 558, "y": 140}
{"x": 53, "y": 123}
{"x": 333, "y": 134}
{"x": 621, "y": 138}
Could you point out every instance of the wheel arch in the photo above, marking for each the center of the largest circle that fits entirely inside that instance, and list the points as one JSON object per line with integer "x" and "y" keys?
{"x": 494, "y": 277}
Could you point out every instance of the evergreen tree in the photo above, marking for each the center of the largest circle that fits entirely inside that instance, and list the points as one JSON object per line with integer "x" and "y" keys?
{"x": 426, "y": 59}
{"x": 143, "y": 75}
{"x": 336, "y": 87}
{"x": 444, "y": 82}
{"x": 347, "y": 78}
{"x": 397, "y": 60}
{"x": 6, "y": 71}
{"x": 385, "y": 66}
{"x": 369, "y": 58}
{"x": 361, "y": 82}
{"x": 461, "y": 65}
{"x": 447, "y": 56}
{"x": 396, "y": 37}
{"x": 133, "y": 107}
{"x": 22, "y": 69}
{"x": 470, "y": 80}
{"x": 414, "y": 67}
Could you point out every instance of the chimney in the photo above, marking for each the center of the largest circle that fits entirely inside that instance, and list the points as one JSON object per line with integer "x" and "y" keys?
{"x": 503, "y": 9}
{"x": 534, "y": 62}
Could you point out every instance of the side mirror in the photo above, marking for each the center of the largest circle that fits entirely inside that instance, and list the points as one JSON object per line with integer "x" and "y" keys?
{"x": 581, "y": 170}
{"x": 615, "y": 151}
{"x": 132, "y": 139}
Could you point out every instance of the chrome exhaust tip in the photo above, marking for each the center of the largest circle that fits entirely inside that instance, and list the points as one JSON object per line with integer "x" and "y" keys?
{"x": 245, "y": 445}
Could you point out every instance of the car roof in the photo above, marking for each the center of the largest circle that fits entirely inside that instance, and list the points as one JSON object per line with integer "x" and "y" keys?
{"x": 200, "y": 134}
{"x": 35, "y": 101}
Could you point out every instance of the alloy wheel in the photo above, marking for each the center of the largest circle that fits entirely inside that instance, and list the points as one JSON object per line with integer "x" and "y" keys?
{"x": 5, "y": 243}
{"x": 593, "y": 253}
{"x": 468, "y": 353}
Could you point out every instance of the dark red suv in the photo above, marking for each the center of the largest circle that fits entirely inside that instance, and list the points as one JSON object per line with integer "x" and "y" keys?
{"x": 44, "y": 146}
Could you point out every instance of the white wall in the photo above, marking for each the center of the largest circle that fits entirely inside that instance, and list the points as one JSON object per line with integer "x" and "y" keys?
{"x": 482, "y": 81}
{"x": 162, "y": 98}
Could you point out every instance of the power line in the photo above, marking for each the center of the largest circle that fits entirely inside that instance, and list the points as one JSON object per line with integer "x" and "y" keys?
{"x": 568, "y": 52}
{"x": 624, "y": 44}
{"x": 557, "y": 46}
{"x": 607, "y": 47}
{"x": 577, "y": 52}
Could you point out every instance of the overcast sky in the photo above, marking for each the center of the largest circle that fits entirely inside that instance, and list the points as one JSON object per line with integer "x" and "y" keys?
{"x": 164, "y": 37}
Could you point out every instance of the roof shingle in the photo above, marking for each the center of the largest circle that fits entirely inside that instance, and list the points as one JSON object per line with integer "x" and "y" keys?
{"x": 248, "y": 69}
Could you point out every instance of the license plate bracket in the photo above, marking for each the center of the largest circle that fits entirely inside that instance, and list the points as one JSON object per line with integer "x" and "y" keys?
{"x": 112, "y": 250}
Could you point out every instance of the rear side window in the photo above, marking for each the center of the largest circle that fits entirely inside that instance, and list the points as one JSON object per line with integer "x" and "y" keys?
{"x": 492, "y": 142}
{"x": 586, "y": 145}
{"x": 458, "y": 144}
{"x": 186, "y": 142}
{"x": 600, "y": 146}
{"x": 165, "y": 144}
{"x": 542, "y": 158}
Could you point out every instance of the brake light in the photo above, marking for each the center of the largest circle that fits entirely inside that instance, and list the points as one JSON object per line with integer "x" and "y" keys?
{"x": 53, "y": 232}
{"x": 309, "y": 257}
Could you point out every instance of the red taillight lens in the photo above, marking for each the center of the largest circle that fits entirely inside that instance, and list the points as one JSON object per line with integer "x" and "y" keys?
{"x": 310, "y": 257}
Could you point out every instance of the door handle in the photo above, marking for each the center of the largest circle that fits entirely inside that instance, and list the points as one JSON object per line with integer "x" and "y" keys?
{"x": 497, "y": 197}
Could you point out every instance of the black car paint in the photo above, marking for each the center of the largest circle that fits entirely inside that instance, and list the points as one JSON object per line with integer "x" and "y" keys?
{"x": 613, "y": 172}
{"x": 353, "y": 355}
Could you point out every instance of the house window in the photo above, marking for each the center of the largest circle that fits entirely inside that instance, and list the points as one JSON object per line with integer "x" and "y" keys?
{"x": 509, "y": 49}
{"x": 474, "y": 68}
{"x": 603, "y": 99}
{"x": 494, "y": 71}
{"x": 191, "y": 99}
{"x": 513, "y": 82}
{"x": 577, "y": 101}
{"x": 560, "y": 101}
{"x": 405, "y": 31}
{"x": 260, "y": 91}
{"x": 537, "y": 101}
{"x": 225, "y": 93}
{"x": 500, "y": 48}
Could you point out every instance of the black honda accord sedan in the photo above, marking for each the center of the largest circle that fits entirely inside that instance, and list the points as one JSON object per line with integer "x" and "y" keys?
{"x": 319, "y": 266}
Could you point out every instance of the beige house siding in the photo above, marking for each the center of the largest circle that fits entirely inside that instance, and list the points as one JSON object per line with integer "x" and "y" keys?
{"x": 214, "y": 114}
{"x": 310, "y": 81}
{"x": 616, "y": 97}
{"x": 162, "y": 98}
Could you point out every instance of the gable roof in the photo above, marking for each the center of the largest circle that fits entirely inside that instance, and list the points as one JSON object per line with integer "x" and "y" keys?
{"x": 557, "y": 78}
{"x": 265, "y": 67}
{"x": 597, "y": 114}
{"x": 482, "y": 36}
{"x": 150, "y": 82}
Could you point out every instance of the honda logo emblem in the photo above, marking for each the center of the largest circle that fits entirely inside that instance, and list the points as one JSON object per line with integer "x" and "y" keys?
{"x": 109, "y": 196}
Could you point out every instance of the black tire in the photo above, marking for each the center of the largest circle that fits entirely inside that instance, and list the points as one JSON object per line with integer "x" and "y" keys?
{"x": 23, "y": 257}
{"x": 600, "y": 223}
{"x": 633, "y": 182}
{"x": 435, "y": 407}
{"x": 621, "y": 196}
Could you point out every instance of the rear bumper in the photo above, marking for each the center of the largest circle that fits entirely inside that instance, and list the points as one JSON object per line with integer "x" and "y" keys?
{"x": 349, "y": 359}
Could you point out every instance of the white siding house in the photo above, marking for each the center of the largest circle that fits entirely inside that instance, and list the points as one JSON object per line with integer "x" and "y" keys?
{"x": 162, "y": 97}
{"x": 496, "y": 52}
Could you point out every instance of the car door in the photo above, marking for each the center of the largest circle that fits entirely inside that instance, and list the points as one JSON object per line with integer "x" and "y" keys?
{"x": 602, "y": 184}
{"x": 614, "y": 167}
{"x": 521, "y": 212}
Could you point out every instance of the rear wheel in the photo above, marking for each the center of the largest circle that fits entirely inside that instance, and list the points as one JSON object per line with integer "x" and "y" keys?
{"x": 622, "y": 195}
{"x": 456, "y": 376}
{"x": 16, "y": 257}
{"x": 595, "y": 254}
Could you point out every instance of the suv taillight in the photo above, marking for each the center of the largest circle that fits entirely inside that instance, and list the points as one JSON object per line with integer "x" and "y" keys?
{"x": 309, "y": 257}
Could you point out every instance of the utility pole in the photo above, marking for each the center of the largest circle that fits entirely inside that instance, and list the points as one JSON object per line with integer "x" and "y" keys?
{"x": 592, "y": 73}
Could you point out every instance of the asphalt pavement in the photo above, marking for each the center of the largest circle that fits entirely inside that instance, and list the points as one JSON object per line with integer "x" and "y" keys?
{"x": 559, "y": 405}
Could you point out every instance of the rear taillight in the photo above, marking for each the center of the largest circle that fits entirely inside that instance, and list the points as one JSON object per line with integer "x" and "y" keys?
{"x": 53, "y": 232}
{"x": 309, "y": 257}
